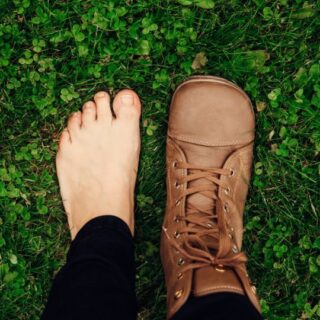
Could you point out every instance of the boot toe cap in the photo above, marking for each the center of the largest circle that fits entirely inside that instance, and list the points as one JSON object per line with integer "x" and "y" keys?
{"x": 211, "y": 113}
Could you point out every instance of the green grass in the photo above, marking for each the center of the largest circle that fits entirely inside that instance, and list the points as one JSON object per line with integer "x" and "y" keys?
{"x": 55, "y": 55}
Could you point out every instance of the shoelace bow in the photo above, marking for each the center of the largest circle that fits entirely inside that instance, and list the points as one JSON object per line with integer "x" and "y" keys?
{"x": 203, "y": 224}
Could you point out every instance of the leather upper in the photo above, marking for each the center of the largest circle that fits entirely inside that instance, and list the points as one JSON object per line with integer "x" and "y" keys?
{"x": 209, "y": 157}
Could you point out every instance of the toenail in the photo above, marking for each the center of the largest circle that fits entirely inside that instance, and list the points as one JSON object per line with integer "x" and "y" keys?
{"x": 88, "y": 105}
{"x": 127, "y": 99}
{"x": 100, "y": 94}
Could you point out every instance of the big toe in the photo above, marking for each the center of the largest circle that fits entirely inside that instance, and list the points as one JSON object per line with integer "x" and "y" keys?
{"x": 126, "y": 104}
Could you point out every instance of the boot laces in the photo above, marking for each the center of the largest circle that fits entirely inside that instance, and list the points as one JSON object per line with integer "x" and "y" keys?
{"x": 208, "y": 240}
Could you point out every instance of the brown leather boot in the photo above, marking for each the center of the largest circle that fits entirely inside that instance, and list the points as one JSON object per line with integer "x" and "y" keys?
{"x": 209, "y": 157}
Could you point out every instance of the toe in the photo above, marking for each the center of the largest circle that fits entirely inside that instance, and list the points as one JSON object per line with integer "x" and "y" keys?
{"x": 127, "y": 104}
{"x": 65, "y": 139}
{"x": 89, "y": 113}
{"x": 102, "y": 100}
{"x": 64, "y": 144}
{"x": 74, "y": 124}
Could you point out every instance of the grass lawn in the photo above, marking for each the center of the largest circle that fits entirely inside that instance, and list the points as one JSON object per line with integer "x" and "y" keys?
{"x": 56, "y": 54}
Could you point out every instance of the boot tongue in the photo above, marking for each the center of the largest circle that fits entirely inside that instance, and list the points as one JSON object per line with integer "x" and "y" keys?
{"x": 209, "y": 280}
{"x": 205, "y": 157}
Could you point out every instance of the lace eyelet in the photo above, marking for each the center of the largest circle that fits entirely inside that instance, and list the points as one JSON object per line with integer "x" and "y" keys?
{"x": 227, "y": 191}
{"x": 176, "y": 219}
{"x": 176, "y": 234}
{"x": 254, "y": 289}
{"x": 230, "y": 235}
{"x": 180, "y": 276}
{"x": 235, "y": 249}
{"x": 177, "y": 203}
{"x": 209, "y": 225}
{"x": 181, "y": 262}
{"x": 232, "y": 172}
{"x": 178, "y": 294}
{"x": 220, "y": 268}
{"x": 176, "y": 185}
{"x": 226, "y": 207}
{"x": 174, "y": 163}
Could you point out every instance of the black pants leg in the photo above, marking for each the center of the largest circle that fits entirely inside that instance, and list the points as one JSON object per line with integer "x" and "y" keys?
{"x": 218, "y": 306}
{"x": 97, "y": 282}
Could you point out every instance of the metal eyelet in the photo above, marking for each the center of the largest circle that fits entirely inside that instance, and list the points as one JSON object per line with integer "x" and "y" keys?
{"x": 180, "y": 276}
{"x": 232, "y": 229}
{"x": 230, "y": 235}
{"x": 174, "y": 163}
{"x": 176, "y": 219}
{"x": 209, "y": 225}
{"x": 176, "y": 185}
{"x": 254, "y": 289}
{"x": 226, "y": 207}
{"x": 176, "y": 234}
{"x": 235, "y": 249}
{"x": 220, "y": 268}
{"x": 232, "y": 172}
{"x": 177, "y": 203}
{"x": 181, "y": 262}
{"x": 227, "y": 191}
{"x": 178, "y": 294}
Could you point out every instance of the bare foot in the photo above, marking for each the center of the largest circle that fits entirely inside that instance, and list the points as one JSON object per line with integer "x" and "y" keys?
{"x": 98, "y": 159}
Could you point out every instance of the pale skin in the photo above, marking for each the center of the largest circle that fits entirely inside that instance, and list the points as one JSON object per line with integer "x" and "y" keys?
{"x": 98, "y": 158}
